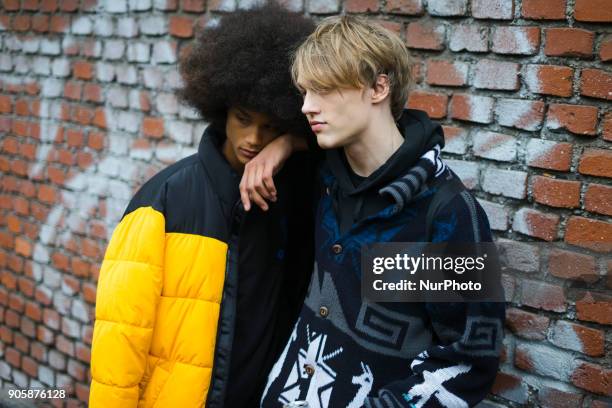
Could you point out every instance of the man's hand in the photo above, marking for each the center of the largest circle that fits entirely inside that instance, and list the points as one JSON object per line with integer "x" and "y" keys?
{"x": 257, "y": 184}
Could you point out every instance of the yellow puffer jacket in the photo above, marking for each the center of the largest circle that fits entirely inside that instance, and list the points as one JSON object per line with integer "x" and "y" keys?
{"x": 156, "y": 315}
{"x": 166, "y": 297}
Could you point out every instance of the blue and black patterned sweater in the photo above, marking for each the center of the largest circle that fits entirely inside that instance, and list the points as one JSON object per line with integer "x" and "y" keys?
{"x": 346, "y": 351}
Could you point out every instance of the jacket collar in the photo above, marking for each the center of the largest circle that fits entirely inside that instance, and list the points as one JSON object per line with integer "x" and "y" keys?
{"x": 224, "y": 179}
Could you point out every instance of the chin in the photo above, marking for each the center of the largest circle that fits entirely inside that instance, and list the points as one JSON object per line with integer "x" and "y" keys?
{"x": 327, "y": 142}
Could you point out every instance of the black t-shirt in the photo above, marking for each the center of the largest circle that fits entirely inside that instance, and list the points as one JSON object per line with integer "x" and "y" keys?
{"x": 259, "y": 309}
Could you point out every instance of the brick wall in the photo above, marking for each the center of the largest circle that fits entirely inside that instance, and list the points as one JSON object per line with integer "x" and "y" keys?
{"x": 522, "y": 87}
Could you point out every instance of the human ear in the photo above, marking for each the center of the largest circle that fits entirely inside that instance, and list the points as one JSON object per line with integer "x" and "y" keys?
{"x": 381, "y": 88}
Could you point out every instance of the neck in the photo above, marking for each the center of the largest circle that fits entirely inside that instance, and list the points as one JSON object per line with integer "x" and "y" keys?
{"x": 373, "y": 147}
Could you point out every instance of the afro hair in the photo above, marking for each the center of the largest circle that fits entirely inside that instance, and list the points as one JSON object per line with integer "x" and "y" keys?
{"x": 245, "y": 61}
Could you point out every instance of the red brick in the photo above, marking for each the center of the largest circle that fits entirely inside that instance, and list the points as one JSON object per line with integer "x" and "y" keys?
{"x": 82, "y": 70}
{"x": 590, "y": 234}
{"x": 92, "y": 93}
{"x": 89, "y": 292}
{"x": 516, "y": 40}
{"x": 16, "y": 302}
{"x": 51, "y": 319}
{"x": 510, "y": 387}
{"x": 26, "y": 286}
{"x": 392, "y": 26}
{"x": 181, "y": 26}
{"x": 29, "y": 366}
{"x": 543, "y": 9}
{"x": 47, "y": 194}
{"x": 44, "y": 335}
{"x": 443, "y": 72}
{"x": 38, "y": 351}
{"x": 545, "y": 296}
{"x": 84, "y": 159}
{"x": 193, "y": 6}
{"x": 64, "y": 345}
{"x": 33, "y": 311}
{"x": 536, "y": 224}
{"x": 69, "y": 5}
{"x": 74, "y": 137}
{"x": 40, "y": 23}
{"x": 593, "y": 11}
{"x": 577, "y": 119}
{"x": 11, "y": 5}
{"x": 30, "y": 5}
{"x": 472, "y": 108}
{"x": 13, "y": 357}
{"x": 361, "y": 6}
{"x": 72, "y": 90}
{"x": 59, "y": 23}
{"x": 596, "y": 83}
{"x": 527, "y": 325}
{"x": 80, "y": 267}
{"x": 549, "y": 155}
{"x": 554, "y": 398}
{"x": 21, "y": 22}
{"x": 425, "y": 35}
{"x": 406, "y": 7}
{"x": 595, "y": 308}
{"x": 23, "y": 247}
{"x": 579, "y": 338}
{"x": 572, "y": 265}
{"x": 433, "y": 103}
{"x": 549, "y": 79}
{"x": 22, "y": 107}
{"x": 95, "y": 140}
{"x": 99, "y": 119}
{"x": 605, "y": 49}
{"x": 598, "y": 199}
{"x": 596, "y": 162}
{"x": 556, "y": 193}
{"x": 21, "y": 128}
{"x": 6, "y": 105}
{"x": 593, "y": 378}
{"x": 153, "y": 127}
{"x": 82, "y": 392}
{"x": 569, "y": 42}
{"x": 83, "y": 353}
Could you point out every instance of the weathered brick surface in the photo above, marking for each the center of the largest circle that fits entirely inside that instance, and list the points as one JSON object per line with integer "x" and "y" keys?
{"x": 556, "y": 193}
{"x": 527, "y": 325}
{"x": 549, "y": 79}
{"x": 544, "y": 9}
{"x": 522, "y": 89}
{"x": 596, "y": 83}
{"x": 569, "y": 42}
{"x": 598, "y": 199}
{"x": 577, "y": 119}
{"x": 434, "y": 104}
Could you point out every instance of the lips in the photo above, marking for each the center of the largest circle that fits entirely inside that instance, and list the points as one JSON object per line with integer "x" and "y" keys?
{"x": 316, "y": 126}
{"x": 248, "y": 153}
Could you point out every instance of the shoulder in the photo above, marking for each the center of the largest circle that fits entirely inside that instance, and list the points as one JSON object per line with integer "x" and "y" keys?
{"x": 152, "y": 193}
{"x": 460, "y": 217}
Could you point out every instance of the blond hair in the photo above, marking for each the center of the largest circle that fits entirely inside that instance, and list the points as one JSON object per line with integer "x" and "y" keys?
{"x": 350, "y": 52}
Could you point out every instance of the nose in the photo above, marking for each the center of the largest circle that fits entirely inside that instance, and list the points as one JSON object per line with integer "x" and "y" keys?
{"x": 255, "y": 136}
{"x": 309, "y": 107}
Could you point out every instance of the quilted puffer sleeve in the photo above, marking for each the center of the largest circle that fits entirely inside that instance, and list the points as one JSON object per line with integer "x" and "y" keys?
{"x": 129, "y": 288}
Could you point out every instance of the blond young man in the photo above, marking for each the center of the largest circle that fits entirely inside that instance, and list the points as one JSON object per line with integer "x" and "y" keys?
{"x": 381, "y": 173}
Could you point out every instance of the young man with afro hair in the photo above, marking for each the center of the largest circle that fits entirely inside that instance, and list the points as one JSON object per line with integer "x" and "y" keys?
{"x": 196, "y": 297}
